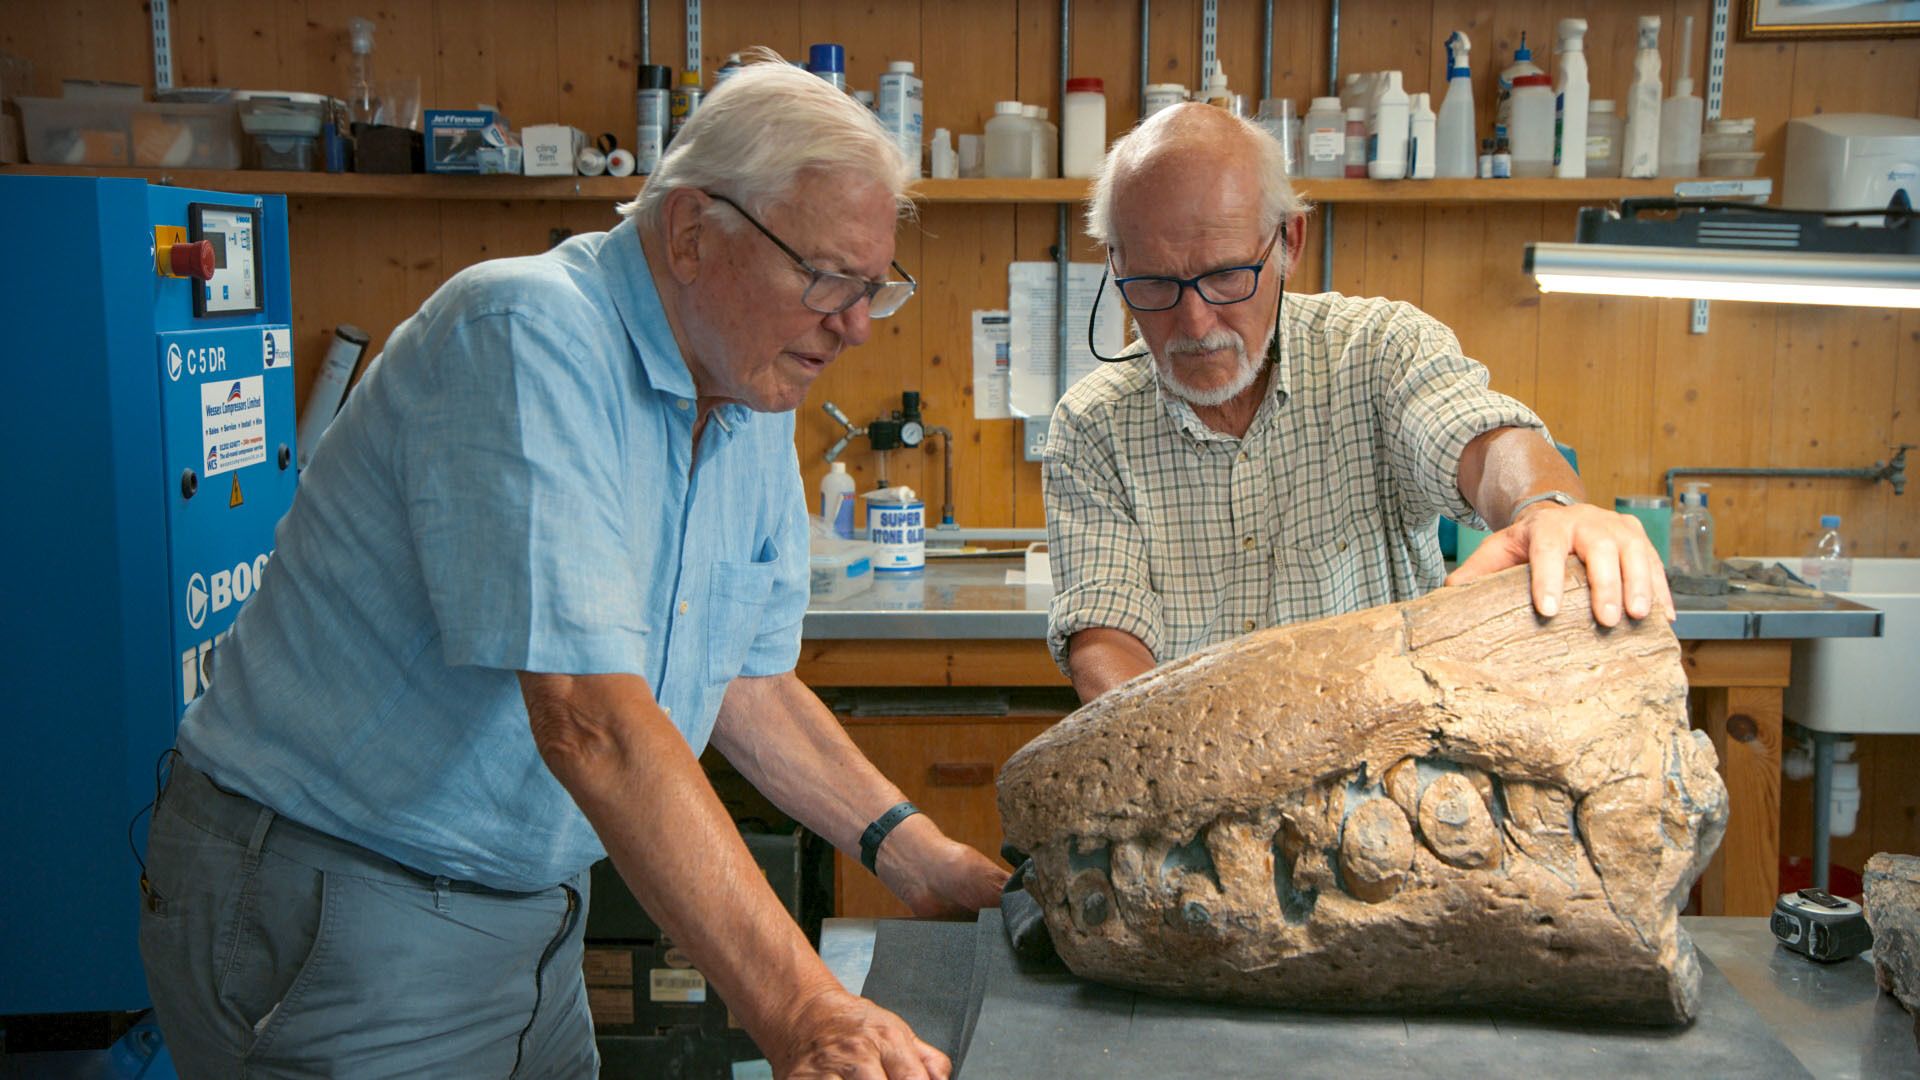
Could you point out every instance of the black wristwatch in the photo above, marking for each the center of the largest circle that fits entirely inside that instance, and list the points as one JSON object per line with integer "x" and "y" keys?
{"x": 879, "y": 830}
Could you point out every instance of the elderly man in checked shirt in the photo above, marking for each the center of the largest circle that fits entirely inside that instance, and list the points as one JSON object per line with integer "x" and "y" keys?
{"x": 1250, "y": 463}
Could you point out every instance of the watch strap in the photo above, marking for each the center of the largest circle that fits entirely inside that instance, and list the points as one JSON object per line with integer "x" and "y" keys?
{"x": 879, "y": 830}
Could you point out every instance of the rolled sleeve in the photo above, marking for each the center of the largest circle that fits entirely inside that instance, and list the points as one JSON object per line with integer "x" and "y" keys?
{"x": 776, "y": 648}
{"x": 1434, "y": 401}
{"x": 1098, "y": 551}
{"x": 517, "y": 489}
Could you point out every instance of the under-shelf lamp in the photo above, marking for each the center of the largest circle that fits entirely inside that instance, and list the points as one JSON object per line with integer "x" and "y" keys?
{"x": 1705, "y": 250}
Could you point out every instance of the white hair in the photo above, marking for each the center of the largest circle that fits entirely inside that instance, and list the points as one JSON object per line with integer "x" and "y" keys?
{"x": 765, "y": 126}
{"x": 1163, "y": 132}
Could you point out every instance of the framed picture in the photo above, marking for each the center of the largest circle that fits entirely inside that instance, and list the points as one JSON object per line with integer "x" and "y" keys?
{"x": 1786, "y": 20}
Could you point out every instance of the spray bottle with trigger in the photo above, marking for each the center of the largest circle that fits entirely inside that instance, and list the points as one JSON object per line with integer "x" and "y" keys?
{"x": 1455, "y": 128}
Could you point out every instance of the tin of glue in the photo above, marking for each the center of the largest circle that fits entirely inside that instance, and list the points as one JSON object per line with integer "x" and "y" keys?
{"x": 897, "y": 525}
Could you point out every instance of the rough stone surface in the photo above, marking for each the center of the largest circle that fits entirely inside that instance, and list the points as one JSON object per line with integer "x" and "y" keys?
{"x": 1449, "y": 803}
{"x": 1893, "y": 910}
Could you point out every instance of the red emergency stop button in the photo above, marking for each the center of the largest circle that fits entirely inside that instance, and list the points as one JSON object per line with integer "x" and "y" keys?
{"x": 194, "y": 259}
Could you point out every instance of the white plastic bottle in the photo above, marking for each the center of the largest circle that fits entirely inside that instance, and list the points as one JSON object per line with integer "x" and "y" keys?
{"x": 1216, "y": 93}
{"x": 1046, "y": 143}
{"x": 1522, "y": 65}
{"x": 1420, "y": 138}
{"x": 836, "y": 500}
{"x": 1387, "y": 130}
{"x": 1083, "y": 124}
{"x": 1530, "y": 126}
{"x": 1640, "y": 149}
{"x": 1828, "y": 565}
{"x": 1009, "y": 150}
{"x": 901, "y": 106}
{"x": 1454, "y": 154}
{"x": 1682, "y": 115}
{"x": 1570, "y": 94}
{"x": 1323, "y": 142}
{"x": 942, "y": 162}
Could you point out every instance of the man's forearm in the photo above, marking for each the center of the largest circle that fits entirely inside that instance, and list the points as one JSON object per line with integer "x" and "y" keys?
{"x": 790, "y": 746}
{"x": 1101, "y": 658}
{"x": 1503, "y": 466}
{"x": 638, "y": 783}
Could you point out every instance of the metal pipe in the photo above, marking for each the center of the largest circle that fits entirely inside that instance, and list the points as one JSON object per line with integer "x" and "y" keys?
{"x": 946, "y": 489}
{"x": 1062, "y": 261}
{"x": 1822, "y": 805}
{"x": 1266, "y": 58}
{"x": 1894, "y": 472}
{"x": 1146, "y": 23}
{"x": 646, "y": 32}
{"x": 1333, "y": 90}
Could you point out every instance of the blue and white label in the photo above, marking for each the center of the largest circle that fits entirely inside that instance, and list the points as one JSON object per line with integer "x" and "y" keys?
{"x": 900, "y": 531}
{"x": 233, "y": 424}
{"x": 276, "y": 347}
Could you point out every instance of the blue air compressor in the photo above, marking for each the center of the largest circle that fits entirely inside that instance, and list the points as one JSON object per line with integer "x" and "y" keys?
{"x": 149, "y": 417}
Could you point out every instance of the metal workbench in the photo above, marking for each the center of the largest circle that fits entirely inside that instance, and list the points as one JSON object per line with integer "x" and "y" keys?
{"x": 1764, "y": 1012}
{"x": 970, "y": 599}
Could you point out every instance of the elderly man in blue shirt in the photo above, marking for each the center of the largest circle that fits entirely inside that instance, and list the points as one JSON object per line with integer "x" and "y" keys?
{"x": 554, "y": 545}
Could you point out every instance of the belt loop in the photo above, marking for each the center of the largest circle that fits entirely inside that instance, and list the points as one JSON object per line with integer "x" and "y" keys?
{"x": 441, "y": 887}
{"x": 259, "y": 838}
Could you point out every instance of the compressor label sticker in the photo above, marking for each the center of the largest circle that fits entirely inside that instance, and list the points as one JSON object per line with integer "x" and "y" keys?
{"x": 276, "y": 347}
{"x": 233, "y": 423}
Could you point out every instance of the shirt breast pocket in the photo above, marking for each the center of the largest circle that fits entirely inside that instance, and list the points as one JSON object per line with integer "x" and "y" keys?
{"x": 739, "y": 592}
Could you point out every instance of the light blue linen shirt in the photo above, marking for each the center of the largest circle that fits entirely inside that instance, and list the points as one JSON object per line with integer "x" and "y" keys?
{"x": 511, "y": 487}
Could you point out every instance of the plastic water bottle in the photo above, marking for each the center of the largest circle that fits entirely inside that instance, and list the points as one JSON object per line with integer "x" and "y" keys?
{"x": 1692, "y": 540}
{"x": 836, "y": 500}
{"x": 1827, "y": 566}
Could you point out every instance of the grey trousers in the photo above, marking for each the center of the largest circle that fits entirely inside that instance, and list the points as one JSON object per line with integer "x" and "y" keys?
{"x": 273, "y": 950}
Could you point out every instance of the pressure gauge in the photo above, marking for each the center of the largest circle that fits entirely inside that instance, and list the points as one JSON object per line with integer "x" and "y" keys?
{"x": 235, "y": 287}
{"x": 911, "y": 433}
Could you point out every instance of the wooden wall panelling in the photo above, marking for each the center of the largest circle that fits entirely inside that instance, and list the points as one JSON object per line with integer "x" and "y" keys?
{"x": 366, "y": 262}
{"x": 597, "y": 45}
{"x": 1903, "y": 511}
{"x": 873, "y": 34}
{"x": 1472, "y": 281}
{"x": 668, "y": 20}
{"x": 1395, "y": 251}
{"x": 1389, "y": 35}
{"x": 86, "y": 39}
{"x": 738, "y": 24}
{"x": 1713, "y": 404}
{"x": 1174, "y": 42}
{"x": 1595, "y": 386}
{"x": 1833, "y": 389}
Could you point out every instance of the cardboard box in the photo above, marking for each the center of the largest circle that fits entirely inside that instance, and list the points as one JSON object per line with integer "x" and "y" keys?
{"x": 455, "y": 138}
{"x": 550, "y": 149}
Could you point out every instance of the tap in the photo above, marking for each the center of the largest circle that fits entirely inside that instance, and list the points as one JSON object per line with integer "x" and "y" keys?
{"x": 1895, "y": 472}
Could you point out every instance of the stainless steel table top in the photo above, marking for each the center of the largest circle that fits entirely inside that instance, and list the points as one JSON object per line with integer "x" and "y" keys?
{"x": 970, "y": 598}
{"x": 1831, "y": 1016}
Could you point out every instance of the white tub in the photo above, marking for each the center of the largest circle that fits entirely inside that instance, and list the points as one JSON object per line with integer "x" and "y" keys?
{"x": 1864, "y": 686}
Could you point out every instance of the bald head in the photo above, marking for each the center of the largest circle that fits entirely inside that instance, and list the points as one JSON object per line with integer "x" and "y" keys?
{"x": 1190, "y": 162}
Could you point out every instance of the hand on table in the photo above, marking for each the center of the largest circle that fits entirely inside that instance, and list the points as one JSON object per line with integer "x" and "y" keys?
{"x": 1619, "y": 560}
{"x": 935, "y": 875}
{"x": 837, "y": 1036}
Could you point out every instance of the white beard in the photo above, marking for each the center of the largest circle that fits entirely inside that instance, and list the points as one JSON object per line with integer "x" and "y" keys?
{"x": 1246, "y": 369}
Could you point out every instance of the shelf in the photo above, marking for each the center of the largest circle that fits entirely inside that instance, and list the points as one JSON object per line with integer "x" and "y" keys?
{"x": 609, "y": 188}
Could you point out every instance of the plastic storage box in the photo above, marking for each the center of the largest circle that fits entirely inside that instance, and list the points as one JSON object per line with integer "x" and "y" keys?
{"x": 839, "y": 568}
{"x": 283, "y": 130}
{"x": 178, "y": 135}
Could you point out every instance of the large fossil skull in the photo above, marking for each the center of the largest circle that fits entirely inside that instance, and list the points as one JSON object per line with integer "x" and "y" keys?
{"x": 1447, "y": 803}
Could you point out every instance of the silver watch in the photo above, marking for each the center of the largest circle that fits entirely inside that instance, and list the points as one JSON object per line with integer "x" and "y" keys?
{"x": 1560, "y": 497}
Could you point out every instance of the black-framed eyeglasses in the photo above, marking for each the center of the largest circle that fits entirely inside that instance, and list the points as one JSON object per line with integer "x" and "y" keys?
{"x": 830, "y": 293}
{"x": 1158, "y": 292}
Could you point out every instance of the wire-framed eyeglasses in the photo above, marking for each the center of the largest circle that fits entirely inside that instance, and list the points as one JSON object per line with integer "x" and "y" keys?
{"x": 1156, "y": 292}
{"x": 830, "y": 293}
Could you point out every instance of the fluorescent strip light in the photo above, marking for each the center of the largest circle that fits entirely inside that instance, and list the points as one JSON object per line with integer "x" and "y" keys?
{"x": 1781, "y": 277}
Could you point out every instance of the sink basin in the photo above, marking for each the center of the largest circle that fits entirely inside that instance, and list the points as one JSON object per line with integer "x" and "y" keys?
{"x": 1864, "y": 686}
